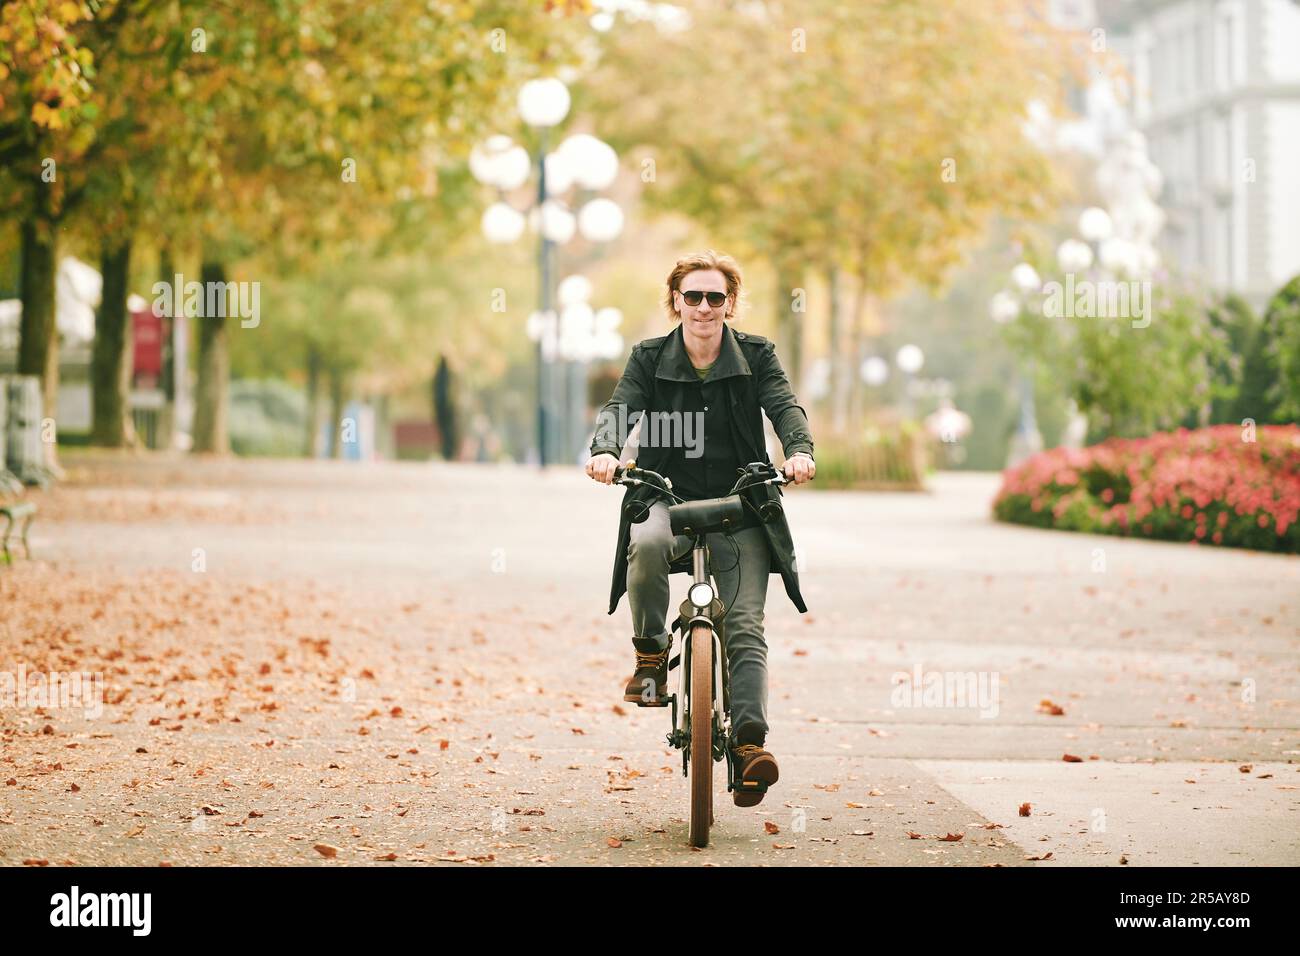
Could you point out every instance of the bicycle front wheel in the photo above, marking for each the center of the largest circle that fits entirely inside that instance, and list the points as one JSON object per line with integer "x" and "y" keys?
{"x": 701, "y": 734}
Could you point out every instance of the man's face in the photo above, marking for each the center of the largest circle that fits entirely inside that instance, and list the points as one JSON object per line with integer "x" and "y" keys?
{"x": 703, "y": 320}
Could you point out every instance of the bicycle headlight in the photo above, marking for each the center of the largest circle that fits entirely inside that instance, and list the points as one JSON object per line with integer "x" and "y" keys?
{"x": 701, "y": 595}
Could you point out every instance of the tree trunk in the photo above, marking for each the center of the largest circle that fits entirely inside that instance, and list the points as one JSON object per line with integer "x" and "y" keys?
{"x": 110, "y": 371}
{"x": 384, "y": 445}
{"x": 167, "y": 380}
{"x": 789, "y": 323}
{"x": 336, "y": 413}
{"x": 211, "y": 425}
{"x": 856, "y": 387}
{"x": 837, "y": 393}
{"x": 38, "y": 343}
{"x": 314, "y": 441}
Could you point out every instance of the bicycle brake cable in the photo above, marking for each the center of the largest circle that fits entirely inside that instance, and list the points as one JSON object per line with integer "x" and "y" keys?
{"x": 735, "y": 564}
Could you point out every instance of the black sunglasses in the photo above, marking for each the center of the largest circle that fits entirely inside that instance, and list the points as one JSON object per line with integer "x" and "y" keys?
{"x": 694, "y": 296}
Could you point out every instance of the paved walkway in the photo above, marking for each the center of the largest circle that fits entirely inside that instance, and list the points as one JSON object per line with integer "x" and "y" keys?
{"x": 412, "y": 663}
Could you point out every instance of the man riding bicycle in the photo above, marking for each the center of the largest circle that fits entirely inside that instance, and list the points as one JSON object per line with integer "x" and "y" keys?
{"x": 700, "y": 392}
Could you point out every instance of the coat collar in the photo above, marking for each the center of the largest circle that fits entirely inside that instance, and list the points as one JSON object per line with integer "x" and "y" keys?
{"x": 675, "y": 365}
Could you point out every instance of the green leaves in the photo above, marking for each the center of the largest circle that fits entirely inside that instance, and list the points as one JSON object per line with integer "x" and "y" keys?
{"x": 1282, "y": 321}
{"x": 818, "y": 130}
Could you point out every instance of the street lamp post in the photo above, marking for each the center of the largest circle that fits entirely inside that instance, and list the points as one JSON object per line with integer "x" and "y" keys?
{"x": 1007, "y": 307}
{"x": 585, "y": 334}
{"x": 582, "y": 159}
{"x": 910, "y": 358}
{"x": 544, "y": 299}
{"x": 1028, "y": 440}
{"x": 542, "y": 104}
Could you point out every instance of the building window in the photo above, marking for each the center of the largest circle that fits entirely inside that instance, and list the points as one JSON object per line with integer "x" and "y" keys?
{"x": 1219, "y": 169}
{"x": 1223, "y": 48}
{"x": 1229, "y": 272}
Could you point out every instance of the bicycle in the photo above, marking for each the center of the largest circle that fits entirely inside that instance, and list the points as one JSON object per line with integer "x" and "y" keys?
{"x": 702, "y": 727}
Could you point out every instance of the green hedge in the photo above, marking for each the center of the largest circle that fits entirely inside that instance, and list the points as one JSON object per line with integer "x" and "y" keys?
{"x": 883, "y": 459}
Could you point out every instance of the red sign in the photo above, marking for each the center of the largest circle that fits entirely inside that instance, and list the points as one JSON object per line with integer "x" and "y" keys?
{"x": 147, "y": 332}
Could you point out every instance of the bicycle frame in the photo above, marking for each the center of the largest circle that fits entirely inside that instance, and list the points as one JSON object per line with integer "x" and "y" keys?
{"x": 691, "y": 615}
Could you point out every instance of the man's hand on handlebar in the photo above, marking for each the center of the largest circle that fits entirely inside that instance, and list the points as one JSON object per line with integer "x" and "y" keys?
{"x": 601, "y": 467}
{"x": 799, "y": 468}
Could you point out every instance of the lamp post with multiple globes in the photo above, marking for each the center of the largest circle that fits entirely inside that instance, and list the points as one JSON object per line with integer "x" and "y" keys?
{"x": 581, "y": 161}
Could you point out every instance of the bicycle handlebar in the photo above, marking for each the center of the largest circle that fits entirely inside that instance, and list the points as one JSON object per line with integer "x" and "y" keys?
{"x": 633, "y": 475}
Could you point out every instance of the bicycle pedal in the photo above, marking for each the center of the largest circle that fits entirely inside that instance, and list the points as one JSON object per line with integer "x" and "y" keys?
{"x": 661, "y": 702}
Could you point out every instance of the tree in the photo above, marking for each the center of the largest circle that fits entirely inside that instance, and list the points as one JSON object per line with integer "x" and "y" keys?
{"x": 875, "y": 139}
{"x": 342, "y": 122}
{"x": 1233, "y": 323}
{"x": 268, "y": 142}
{"x": 1282, "y": 320}
{"x": 1129, "y": 376}
{"x": 46, "y": 127}
{"x": 138, "y": 108}
{"x": 110, "y": 373}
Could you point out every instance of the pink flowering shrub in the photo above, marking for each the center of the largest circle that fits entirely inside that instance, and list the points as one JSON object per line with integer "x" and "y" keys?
{"x": 1206, "y": 485}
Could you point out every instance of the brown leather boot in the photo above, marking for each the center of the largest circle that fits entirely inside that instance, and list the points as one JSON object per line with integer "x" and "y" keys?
{"x": 754, "y": 764}
{"x": 648, "y": 686}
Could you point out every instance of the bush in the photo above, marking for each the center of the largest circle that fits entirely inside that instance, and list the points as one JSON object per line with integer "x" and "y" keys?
{"x": 1208, "y": 485}
{"x": 878, "y": 459}
{"x": 1283, "y": 316}
{"x": 1235, "y": 325}
{"x": 267, "y": 417}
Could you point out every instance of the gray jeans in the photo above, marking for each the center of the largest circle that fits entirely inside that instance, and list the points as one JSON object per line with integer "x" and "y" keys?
{"x": 742, "y": 585}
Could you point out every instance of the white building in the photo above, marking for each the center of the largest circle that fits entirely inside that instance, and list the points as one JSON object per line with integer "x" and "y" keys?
{"x": 77, "y": 290}
{"x": 1217, "y": 93}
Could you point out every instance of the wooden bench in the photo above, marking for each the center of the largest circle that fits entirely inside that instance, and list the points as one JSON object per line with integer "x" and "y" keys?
{"x": 17, "y": 511}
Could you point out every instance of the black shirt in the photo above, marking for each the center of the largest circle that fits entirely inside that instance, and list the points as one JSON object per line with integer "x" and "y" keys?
{"x": 703, "y": 459}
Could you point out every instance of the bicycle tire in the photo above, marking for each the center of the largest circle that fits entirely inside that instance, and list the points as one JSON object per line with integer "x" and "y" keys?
{"x": 701, "y": 734}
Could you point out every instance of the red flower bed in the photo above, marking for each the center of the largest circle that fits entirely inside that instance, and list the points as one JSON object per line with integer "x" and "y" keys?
{"x": 1207, "y": 485}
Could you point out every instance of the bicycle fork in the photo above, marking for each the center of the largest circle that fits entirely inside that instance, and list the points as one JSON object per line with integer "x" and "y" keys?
{"x": 689, "y": 616}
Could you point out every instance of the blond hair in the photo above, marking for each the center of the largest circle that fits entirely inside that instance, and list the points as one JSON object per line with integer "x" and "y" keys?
{"x": 708, "y": 259}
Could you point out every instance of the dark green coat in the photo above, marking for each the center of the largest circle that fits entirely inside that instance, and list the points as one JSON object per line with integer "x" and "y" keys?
{"x": 656, "y": 374}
